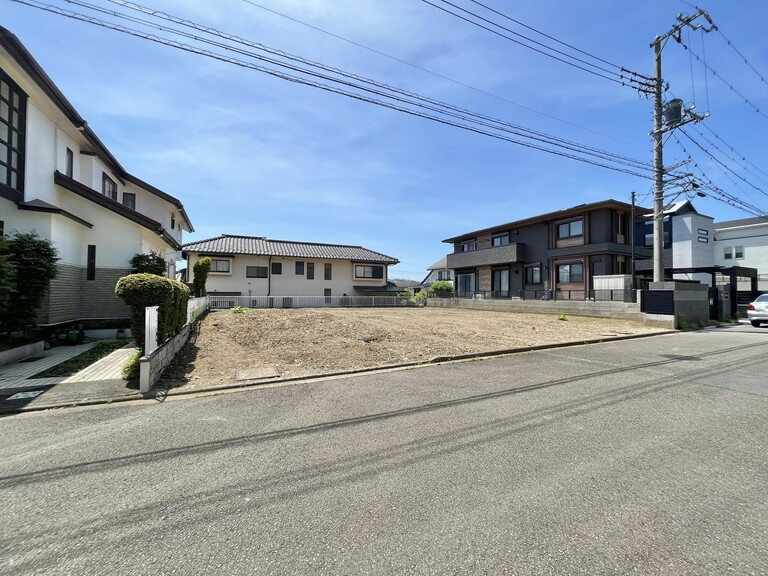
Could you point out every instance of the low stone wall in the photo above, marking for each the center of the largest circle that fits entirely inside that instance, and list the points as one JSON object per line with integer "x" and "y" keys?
{"x": 622, "y": 310}
{"x": 152, "y": 366}
{"x": 14, "y": 354}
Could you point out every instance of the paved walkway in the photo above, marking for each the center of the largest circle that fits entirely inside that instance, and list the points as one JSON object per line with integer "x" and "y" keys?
{"x": 100, "y": 382}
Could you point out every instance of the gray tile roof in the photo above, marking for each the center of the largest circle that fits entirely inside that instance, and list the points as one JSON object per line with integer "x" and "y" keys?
{"x": 230, "y": 244}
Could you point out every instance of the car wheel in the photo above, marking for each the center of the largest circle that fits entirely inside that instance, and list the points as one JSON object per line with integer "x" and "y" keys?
{"x": 755, "y": 323}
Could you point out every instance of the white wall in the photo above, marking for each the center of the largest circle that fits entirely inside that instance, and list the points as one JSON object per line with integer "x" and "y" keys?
{"x": 754, "y": 240}
{"x": 693, "y": 245}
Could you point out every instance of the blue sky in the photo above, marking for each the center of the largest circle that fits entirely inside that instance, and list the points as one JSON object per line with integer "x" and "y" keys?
{"x": 251, "y": 154}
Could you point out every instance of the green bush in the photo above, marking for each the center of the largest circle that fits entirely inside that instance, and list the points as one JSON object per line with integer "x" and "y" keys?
{"x": 441, "y": 289}
{"x": 142, "y": 290}
{"x": 152, "y": 263}
{"x": 201, "y": 269}
{"x": 130, "y": 369}
{"x": 33, "y": 261}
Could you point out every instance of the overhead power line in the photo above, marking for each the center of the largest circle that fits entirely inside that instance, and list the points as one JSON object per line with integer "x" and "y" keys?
{"x": 628, "y": 78}
{"x": 400, "y": 100}
{"x": 437, "y": 74}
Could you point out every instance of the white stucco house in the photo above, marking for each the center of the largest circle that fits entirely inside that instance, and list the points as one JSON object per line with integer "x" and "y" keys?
{"x": 744, "y": 243}
{"x": 258, "y": 266}
{"x": 59, "y": 180}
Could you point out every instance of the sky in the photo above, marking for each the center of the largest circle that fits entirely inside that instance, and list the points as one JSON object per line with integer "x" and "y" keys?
{"x": 253, "y": 154}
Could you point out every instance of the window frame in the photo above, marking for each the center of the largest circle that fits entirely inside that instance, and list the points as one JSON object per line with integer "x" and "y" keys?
{"x": 365, "y": 269}
{"x": 129, "y": 195}
{"x": 468, "y": 245}
{"x": 214, "y": 262}
{"x": 310, "y": 270}
{"x": 16, "y": 130}
{"x": 572, "y": 278}
{"x": 69, "y": 162}
{"x": 299, "y": 268}
{"x": 738, "y": 252}
{"x": 530, "y": 274}
{"x": 502, "y": 238}
{"x": 569, "y": 224}
{"x": 328, "y": 271}
{"x": 90, "y": 263}
{"x": 257, "y": 272}
{"x": 276, "y": 269}
{"x": 108, "y": 184}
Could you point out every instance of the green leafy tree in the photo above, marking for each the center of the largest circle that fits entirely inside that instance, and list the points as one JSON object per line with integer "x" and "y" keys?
{"x": 201, "y": 269}
{"x": 34, "y": 262}
{"x": 441, "y": 289}
{"x": 152, "y": 263}
{"x": 7, "y": 276}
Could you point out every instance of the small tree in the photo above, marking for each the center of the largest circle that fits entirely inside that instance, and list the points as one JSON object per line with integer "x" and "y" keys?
{"x": 152, "y": 263}
{"x": 34, "y": 261}
{"x": 441, "y": 289}
{"x": 7, "y": 277}
{"x": 201, "y": 269}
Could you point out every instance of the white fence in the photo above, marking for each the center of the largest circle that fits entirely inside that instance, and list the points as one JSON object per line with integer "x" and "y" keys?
{"x": 157, "y": 356}
{"x": 309, "y": 301}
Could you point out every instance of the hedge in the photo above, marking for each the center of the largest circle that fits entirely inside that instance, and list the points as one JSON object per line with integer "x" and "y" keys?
{"x": 142, "y": 290}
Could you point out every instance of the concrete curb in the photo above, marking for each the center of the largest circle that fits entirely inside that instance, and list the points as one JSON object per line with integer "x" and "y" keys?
{"x": 161, "y": 393}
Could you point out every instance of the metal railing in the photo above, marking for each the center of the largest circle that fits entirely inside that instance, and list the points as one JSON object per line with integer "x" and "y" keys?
{"x": 309, "y": 301}
{"x": 607, "y": 295}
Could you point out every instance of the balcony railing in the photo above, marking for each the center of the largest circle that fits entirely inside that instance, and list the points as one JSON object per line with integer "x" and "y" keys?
{"x": 590, "y": 295}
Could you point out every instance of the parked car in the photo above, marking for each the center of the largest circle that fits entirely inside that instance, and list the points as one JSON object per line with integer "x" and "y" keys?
{"x": 757, "y": 311}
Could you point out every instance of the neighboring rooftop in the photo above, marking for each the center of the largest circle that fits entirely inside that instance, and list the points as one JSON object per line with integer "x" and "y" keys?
{"x": 228, "y": 244}
{"x": 742, "y": 222}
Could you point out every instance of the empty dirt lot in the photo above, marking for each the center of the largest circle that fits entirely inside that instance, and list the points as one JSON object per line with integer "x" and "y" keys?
{"x": 304, "y": 342}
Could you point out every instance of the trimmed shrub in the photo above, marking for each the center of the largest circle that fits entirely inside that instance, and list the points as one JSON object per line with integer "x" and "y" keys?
{"x": 142, "y": 290}
{"x": 201, "y": 269}
{"x": 152, "y": 263}
{"x": 441, "y": 289}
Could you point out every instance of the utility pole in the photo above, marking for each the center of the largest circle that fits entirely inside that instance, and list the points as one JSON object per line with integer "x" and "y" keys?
{"x": 658, "y": 133}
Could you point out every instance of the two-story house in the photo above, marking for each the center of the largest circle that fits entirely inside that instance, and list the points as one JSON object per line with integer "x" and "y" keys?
{"x": 744, "y": 243}
{"x": 556, "y": 254}
{"x": 257, "y": 266}
{"x": 59, "y": 180}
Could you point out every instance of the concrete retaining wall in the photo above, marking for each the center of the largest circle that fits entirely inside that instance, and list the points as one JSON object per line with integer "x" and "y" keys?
{"x": 152, "y": 366}
{"x": 619, "y": 310}
{"x": 14, "y": 354}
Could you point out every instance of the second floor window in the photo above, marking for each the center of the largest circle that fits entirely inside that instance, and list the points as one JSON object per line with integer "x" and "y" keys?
{"x": 108, "y": 186}
{"x": 129, "y": 199}
{"x": 468, "y": 246}
{"x": 328, "y": 274}
{"x": 310, "y": 270}
{"x": 500, "y": 239}
{"x": 570, "y": 229}
{"x": 70, "y": 167}
{"x": 220, "y": 265}
{"x": 13, "y": 107}
{"x": 299, "y": 268}
{"x": 369, "y": 271}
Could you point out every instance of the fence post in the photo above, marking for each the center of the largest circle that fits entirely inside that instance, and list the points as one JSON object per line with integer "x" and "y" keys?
{"x": 150, "y": 329}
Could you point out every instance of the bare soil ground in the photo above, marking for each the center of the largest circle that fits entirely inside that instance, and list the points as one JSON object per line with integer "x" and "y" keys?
{"x": 305, "y": 342}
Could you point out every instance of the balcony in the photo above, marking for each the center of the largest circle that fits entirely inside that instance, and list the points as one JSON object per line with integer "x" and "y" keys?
{"x": 508, "y": 254}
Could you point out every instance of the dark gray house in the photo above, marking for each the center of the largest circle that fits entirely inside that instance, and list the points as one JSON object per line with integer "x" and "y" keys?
{"x": 556, "y": 254}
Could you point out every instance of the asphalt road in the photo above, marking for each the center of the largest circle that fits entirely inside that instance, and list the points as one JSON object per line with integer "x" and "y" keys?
{"x": 643, "y": 456}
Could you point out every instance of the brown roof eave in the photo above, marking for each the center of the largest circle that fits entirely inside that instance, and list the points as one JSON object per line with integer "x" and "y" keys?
{"x": 565, "y": 213}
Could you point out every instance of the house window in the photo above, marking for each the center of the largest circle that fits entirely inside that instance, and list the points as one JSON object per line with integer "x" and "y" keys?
{"x": 500, "y": 239}
{"x": 533, "y": 274}
{"x": 570, "y": 273}
{"x": 369, "y": 271}
{"x": 70, "y": 168}
{"x": 728, "y": 252}
{"x": 327, "y": 293}
{"x": 90, "y": 272}
{"x": 220, "y": 265}
{"x": 571, "y": 229}
{"x": 277, "y": 267}
{"x": 129, "y": 199}
{"x": 738, "y": 252}
{"x": 13, "y": 104}
{"x": 328, "y": 274}
{"x": 299, "y": 268}
{"x": 173, "y": 221}
{"x": 108, "y": 186}
{"x": 468, "y": 246}
{"x": 256, "y": 272}
{"x": 310, "y": 270}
